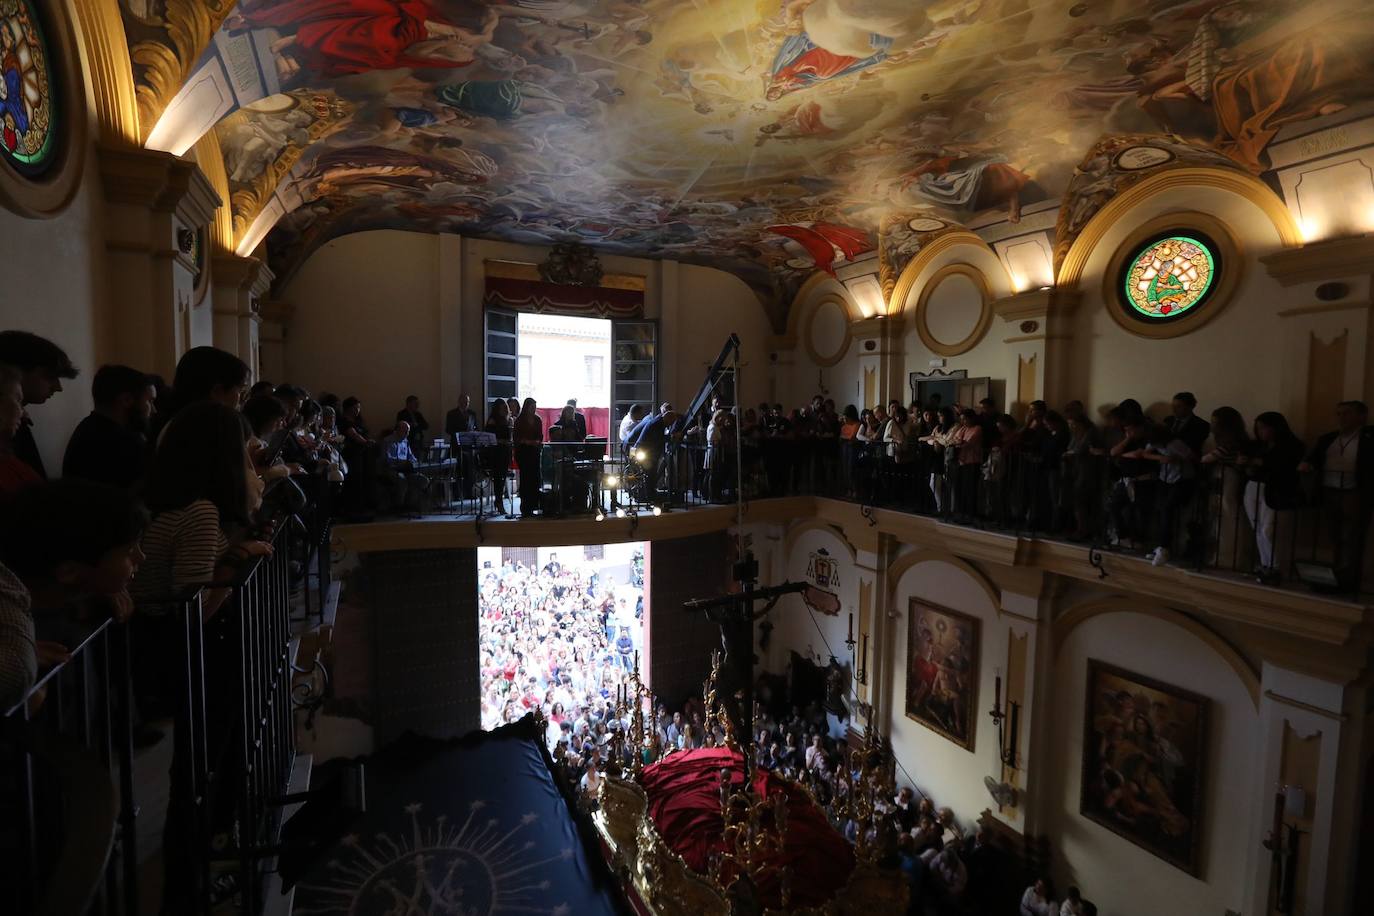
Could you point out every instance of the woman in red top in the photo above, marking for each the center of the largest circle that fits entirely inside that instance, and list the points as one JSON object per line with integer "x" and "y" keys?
{"x": 15, "y": 475}
{"x": 529, "y": 439}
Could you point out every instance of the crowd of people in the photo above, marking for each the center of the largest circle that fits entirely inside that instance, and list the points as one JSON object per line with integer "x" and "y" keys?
{"x": 1172, "y": 485}
{"x": 562, "y": 639}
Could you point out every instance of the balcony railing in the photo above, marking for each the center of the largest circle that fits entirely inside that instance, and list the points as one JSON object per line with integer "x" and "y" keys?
{"x": 67, "y": 761}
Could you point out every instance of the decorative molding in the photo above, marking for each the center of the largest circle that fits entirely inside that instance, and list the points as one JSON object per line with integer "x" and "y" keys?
{"x": 980, "y": 328}
{"x": 1231, "y": 256}
{"x": 809, "y": 337}
{"x": 522, "y": 270}
{"x": 109, "y": 71}
{"x": 806, "y": 526}
{"x": 158, "y": 181}
{"x": 913, "y": 558}
{"x": 1031, "y": 304}
{"x": 1321, "y": 261}
{"x": 1070, "y": 272}
{"x": 1305, "y": 707}
{"x": 188, "y": 27}
{"x": 230, "y": 270}
{"x": 1352, "y": 306}
{"x": 896, "y": 305}
{"x": 879, "y": 328}
{"x": 1071, "y": 619}
{"x": 210, "y": 158}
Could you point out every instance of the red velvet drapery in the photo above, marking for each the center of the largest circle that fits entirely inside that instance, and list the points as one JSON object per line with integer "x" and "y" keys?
{"x": 684, "y": 803}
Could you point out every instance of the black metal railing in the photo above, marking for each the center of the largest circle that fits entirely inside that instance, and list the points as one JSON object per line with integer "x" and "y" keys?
{"x": 68, "y": 834}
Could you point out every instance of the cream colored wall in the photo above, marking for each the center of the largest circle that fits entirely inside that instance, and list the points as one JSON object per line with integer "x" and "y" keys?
{"x": 1235, "y": 359}
{"x": 796, "y": 626}
{"x": 1117, "y": 875}
{"x": 365, "y": 323}
{"x": 990, "y": 356}
{"x": 51, "y": 290}
{"x": 942, "y": 769}
{"x": 387, "y": 313}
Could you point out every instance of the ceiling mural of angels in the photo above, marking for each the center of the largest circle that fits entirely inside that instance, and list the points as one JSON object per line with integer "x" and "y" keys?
{"x": 771, "y": 138}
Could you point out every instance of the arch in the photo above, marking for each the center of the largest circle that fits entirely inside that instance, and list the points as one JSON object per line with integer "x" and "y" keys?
{"x": 820, "y": 286}
{"x": 794, "y": 534}
{"x": 896, "y": 305}
{"x": 980, "y": 328}
{"x": 1067, "y": 622}
{"x": 1070, "y": 272}
{"x": 109, "y": 71}
{"x": 908, "y": 561}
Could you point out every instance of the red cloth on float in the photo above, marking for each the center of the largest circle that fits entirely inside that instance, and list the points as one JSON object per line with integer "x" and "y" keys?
{"x": 598, "y": 418}
{"x": 684, "y": 804}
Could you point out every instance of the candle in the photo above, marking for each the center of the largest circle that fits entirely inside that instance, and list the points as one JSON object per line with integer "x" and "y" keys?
{"x": 850, "y": 638}
{"x": 997, "y": 693}
{"x": 1015, "y": 717}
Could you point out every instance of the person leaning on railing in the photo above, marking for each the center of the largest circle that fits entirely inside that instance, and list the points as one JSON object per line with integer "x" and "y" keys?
{"x": 1344, "y": 459}
{"x": 69, "y": 551}
{"x": 1271, "y": 491}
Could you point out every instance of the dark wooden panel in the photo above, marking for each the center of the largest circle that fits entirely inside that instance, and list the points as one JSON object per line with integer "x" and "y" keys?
{"x": 680, "y": 643}
{"x": 424, "y": 628}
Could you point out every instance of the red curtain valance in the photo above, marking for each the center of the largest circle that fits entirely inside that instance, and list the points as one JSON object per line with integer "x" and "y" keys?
{"x": 554, "y": 298}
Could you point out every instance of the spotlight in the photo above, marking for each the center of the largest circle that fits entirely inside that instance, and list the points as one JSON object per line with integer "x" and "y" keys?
{"x": 639, "y": 455}
{"x": 657, "y": 511}
{"x": 600, "y": 516}
{"x": 612, "y": 481}
{"x": 619, "y": 513}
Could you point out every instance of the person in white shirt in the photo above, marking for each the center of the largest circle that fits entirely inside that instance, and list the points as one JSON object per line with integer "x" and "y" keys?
{"x": 950, "y": 873}
{"x": 628, "y": 422}
{"x": 1344, "y": 459}
{"x": 1073, "y": 903}
{"x": 1036, "y": 900}
{"x": 814, "y": 754}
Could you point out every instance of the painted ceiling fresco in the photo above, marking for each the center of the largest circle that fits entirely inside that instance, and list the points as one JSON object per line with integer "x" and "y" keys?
{"x": 768, "y": 137}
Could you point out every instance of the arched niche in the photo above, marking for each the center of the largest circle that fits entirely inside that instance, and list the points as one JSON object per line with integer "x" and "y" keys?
{"x": 953, "y": 310}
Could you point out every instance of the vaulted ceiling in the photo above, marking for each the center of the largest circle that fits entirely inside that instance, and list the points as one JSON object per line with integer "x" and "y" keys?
{"x": 771, "y": 138}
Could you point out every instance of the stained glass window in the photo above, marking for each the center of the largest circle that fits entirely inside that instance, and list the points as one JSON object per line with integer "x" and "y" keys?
{"x": 1170, "y": 276}
{"x": 28, "y": 96}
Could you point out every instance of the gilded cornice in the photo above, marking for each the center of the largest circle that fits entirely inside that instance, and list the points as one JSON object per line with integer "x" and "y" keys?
{"x": 1317, "y": 262}
{"x": 109, "y": 71}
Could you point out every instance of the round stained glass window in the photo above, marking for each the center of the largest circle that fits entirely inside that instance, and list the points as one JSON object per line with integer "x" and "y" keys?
{"x": 28, "y": 91}
{"x": 1170, "y": 276}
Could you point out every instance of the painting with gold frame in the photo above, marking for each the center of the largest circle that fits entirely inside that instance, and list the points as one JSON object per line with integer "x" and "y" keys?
{"x": 1144, "y": 746}
{"x": 942, "y": 671}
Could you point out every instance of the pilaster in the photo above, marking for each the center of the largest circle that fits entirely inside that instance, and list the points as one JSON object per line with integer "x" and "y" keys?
{"x": 236, "y": 287}
{"x": 155, "y": 204}
{"x": 882, "y": 361}
{"x": 274, "y": 324}
{"x": 1038, "y": 332}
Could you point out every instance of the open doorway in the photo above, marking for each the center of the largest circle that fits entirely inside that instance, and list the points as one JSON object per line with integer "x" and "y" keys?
{"x": 560, "y": 630}
{"x": 606, "y": 364}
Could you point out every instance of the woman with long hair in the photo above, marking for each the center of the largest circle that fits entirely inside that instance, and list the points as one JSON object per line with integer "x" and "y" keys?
{"x": 202, "y": 494}
{"x": 1271, "y": 491}
{"x": 498, "y": 463}
{"x": 529, "y": 440}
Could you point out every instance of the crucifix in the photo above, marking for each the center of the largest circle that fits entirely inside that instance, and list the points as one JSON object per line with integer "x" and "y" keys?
{"x": 735, "y": 614}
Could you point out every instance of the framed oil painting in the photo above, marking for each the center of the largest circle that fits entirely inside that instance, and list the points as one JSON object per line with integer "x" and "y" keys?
{"x": 942, "y": 671}
{"x": 1143, "y": 749}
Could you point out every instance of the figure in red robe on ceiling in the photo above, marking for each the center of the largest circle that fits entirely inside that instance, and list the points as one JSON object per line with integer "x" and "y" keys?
{"x": 823, "y": 241}
{"x": 334, "y": 38}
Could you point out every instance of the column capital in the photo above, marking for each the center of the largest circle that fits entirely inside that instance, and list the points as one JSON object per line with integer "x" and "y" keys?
{"x": 1318, "y": 262}
{"x": 158, "y": 181}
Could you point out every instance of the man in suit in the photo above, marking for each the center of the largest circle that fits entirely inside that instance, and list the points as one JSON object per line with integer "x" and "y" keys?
{"x": 1344, "y": 461}
{"x": 1183, "y": 424}
{"x": 461, "y": 419}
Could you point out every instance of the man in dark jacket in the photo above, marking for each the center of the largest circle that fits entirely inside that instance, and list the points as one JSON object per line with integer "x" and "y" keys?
{"x": 418, "y": 424}
{"x": 646, "y": 446}
{"x": 108, "y": 446}
{"x": 1344, "y": 462}
{"x": 1183, "y": 424}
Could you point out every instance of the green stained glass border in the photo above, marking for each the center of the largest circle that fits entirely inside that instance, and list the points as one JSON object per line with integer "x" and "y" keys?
{"x": 32, "y": 165}
{"x": 1214, "y": 265}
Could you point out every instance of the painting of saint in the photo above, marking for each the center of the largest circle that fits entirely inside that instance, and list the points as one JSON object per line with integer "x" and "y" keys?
{"x": 334, "y": 38}
{"x": 942, "y": 671}
{"x": 830, "y": 39}
{"x": 1143, "y": 749}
